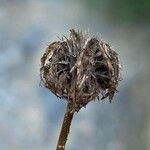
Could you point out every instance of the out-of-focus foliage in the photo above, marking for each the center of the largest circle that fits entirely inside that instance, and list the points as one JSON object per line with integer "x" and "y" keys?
{"x": 122, "y": 10}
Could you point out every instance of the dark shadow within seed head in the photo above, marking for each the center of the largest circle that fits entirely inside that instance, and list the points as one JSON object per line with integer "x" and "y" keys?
{"x": 79, "y": 68}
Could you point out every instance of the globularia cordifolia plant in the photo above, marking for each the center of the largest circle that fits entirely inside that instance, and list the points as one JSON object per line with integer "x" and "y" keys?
{"x": 79, "y": 69}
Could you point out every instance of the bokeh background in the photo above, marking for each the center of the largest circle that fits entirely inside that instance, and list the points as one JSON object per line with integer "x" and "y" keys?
{"x": 30, "y": 116}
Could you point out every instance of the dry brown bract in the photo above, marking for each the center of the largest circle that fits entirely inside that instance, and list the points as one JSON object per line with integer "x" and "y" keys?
{"x": 78, "y": 68}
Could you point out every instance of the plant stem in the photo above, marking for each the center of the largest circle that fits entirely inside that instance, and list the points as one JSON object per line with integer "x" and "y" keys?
{"x": 65, "y": 127}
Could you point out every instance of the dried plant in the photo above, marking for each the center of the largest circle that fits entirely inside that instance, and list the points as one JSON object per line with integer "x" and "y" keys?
{"x": 79, "y": 69}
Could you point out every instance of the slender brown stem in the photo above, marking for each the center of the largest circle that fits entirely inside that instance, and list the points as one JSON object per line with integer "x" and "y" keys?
{"x": 65, "y": 127}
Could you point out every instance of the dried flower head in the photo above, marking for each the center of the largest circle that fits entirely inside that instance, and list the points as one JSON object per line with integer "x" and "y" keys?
{"x": 79, "y": 68}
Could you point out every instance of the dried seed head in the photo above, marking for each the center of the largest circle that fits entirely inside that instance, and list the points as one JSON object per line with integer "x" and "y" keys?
{"x": 79, "y": 68}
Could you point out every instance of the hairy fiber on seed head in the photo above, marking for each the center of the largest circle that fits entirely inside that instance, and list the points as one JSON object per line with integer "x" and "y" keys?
{"x": 79, "y": 68}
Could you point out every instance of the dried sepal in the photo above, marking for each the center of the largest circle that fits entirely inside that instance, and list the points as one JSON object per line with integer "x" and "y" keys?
{"x": 78, "y": 68}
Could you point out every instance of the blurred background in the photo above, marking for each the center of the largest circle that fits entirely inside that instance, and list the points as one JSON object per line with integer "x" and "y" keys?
{"x": 30, "y": 116}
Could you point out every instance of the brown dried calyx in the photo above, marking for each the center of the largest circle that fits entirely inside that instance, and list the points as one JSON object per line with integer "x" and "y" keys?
{"x": 79, "y": 68}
